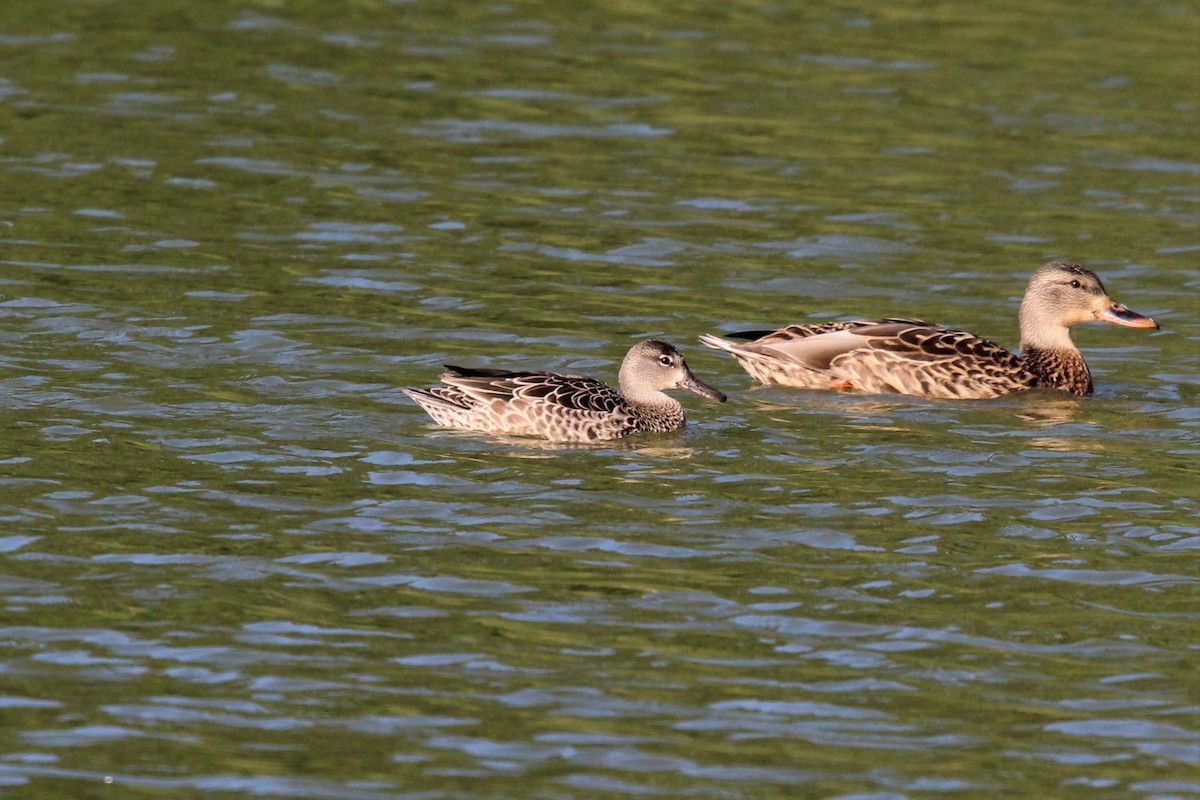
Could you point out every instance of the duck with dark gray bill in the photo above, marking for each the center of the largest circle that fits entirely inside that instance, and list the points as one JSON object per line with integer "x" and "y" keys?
{"x": 567, "y": 408}
{"x": 908, "y": 356}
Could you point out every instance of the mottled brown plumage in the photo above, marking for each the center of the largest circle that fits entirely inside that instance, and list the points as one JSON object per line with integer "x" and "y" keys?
{"x": 567, "y": 408}
{"x": 908, "y": 356}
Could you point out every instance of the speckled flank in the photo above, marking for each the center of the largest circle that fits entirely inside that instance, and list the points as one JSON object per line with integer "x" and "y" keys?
{"x": 567, "y": 408}
{"x": 907, "y": 356}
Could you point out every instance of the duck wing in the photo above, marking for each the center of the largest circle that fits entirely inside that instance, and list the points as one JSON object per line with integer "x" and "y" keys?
{"x": 911, "y": 357}
{"x": 803, "y": 331}
{"x": 542, "y": 388}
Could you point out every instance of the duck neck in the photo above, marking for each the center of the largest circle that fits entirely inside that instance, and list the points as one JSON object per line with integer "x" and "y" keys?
{"x": 649, "y": 401}
{"x": 1058, "y": 369}
{"x": 664, "y": 413}
{"x": 655, "y": 409}
{"x": 1042, "y": 329}
{"x": 1049, "y": 353}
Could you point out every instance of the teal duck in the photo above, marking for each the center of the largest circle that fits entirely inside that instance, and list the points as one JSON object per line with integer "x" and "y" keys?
{"x": 908, "y": 356}
{"x": 567, "y": 408}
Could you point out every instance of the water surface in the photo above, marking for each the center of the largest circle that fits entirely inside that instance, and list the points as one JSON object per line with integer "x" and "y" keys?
{"x": 235, "y": 560}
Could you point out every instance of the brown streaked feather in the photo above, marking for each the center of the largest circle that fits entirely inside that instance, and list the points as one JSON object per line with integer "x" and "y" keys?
{"x": 568, "y": 391}
{"x": 912, "y": 358}
{"x": 791, "y": 332}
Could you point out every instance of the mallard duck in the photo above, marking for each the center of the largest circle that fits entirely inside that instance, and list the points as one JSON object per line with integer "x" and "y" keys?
{"x": 567, "y": 408}
{"x": 908, "y": 356}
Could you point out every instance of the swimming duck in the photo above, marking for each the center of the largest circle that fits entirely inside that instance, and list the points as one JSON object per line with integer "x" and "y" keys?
{"x": 908, "y": 356}
{"x": 567, "y": 408}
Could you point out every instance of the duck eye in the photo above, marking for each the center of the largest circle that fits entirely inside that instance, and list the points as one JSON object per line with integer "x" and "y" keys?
{"x": 664, "y": 360}
{"x": 1076, "y": 285}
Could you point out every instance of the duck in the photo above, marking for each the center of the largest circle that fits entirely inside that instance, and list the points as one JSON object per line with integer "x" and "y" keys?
{"x": 912, "y": 357}
{"x": 567, "y": 408}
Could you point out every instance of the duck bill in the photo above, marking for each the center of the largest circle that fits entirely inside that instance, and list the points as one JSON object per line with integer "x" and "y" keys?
{"x": 1120, "y": 315}
{"x": 693, "y": 384}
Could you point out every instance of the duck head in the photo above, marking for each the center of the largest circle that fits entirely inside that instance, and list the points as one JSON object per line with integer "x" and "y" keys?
{"x": 1061, "y": 295}
{"x": 655, "y": 366}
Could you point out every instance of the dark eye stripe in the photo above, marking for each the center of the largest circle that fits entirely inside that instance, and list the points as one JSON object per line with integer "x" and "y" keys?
{"x": 1087, "y": 287}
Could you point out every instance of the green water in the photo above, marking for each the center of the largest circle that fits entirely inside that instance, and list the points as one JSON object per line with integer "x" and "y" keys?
{"x": 236, "y": 561}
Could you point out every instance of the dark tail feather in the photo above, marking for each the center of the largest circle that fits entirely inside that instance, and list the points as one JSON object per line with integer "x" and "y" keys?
{"x": 748, "y": 334}
{"x": 482, "y": 372}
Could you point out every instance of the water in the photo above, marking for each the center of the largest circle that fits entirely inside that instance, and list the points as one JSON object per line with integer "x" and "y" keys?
{"x": 235, "y": 560}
